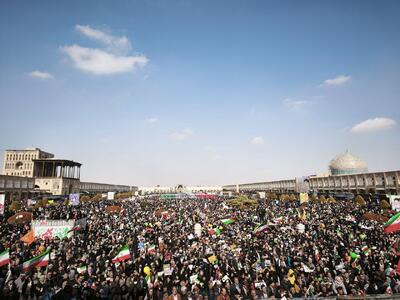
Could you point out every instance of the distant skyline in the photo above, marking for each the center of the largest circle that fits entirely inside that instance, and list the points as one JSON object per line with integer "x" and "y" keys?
{"x": 201, "y": 92}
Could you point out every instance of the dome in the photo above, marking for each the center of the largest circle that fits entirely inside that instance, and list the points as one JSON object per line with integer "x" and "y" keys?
{"x": 347, "y": 163}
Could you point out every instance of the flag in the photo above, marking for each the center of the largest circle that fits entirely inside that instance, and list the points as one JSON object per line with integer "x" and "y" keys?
{"x": 365, "y": 249}
{"x": 29, "y": 237}
{"x": 38, "y": 261}
{"x": 227, "y": 221}
{"x": 398, "y": 267}
{"x": 215, "y": 231}
{"x": 79, "y": 225}
{"x": 148, "y": 279}
{"x": 81, "y": 269}
{"x": 260, "y": 228}
{"x": 151, "y": 249}
{"x": 122, "y": 255}
{"x": 165, "y": 214}
{"x": 4, "y": 257}
{"x": 393, "y": 224}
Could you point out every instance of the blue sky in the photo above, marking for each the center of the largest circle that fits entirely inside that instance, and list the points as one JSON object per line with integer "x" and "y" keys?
{"x": 201, "y": 92}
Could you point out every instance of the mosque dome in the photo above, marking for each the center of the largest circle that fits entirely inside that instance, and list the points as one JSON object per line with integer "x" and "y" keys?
{"x": 347, "y": 163}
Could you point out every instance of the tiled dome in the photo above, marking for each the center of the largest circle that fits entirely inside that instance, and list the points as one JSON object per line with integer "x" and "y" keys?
{"x": 347, "y": 163}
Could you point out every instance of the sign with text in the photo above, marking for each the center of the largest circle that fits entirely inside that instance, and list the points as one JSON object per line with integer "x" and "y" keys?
{"x": 49, "y": 229}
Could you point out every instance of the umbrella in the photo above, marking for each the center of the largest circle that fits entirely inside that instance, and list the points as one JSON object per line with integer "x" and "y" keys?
{"x": 113, "y": 209}
{"x": 20, "y": 218}
{"x": 375, "y": 217}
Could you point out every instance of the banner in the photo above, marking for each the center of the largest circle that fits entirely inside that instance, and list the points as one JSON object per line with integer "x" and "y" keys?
{"x": 74, "y": 199}
{"x": 49, "y": 229}
{"x": 303, "y": 197}
{"x": 2, "y": 201}
{"x": 262, "y": 195}
{"x": 110, "y": 195}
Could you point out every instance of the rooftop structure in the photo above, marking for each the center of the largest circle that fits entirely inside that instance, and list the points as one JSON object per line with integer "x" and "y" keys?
{"x": 347, "y": 163}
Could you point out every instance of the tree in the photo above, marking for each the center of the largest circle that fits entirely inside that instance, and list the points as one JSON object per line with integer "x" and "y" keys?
{"x": 292, "y": 197}
{"x": 85, "y": 198}
{"x": 15, "y": 205}
{"x": 97, "y": 197}
{"x": 360, "y": 200}
{"x": 313, "y": 198}
{"x": 41, "y": 203}
{"x": 322, "y": 199}
{"x": 385, "y": 205}
{"x": 331, "y": 199}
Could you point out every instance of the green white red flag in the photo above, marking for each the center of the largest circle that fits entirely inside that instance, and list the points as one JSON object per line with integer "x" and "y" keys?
{"x": 122, "y": 255}
{"x": 227, "y": 221}
{"x": 151, "y": 249}
{"x": 393, "y": 224}
{"x": 4, "y": 257}
{"x": 260, "y": 228}
{"x": 41, "y": 260}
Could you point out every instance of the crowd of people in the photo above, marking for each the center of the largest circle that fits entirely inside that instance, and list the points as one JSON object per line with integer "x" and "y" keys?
{"x": 182, "y": 249}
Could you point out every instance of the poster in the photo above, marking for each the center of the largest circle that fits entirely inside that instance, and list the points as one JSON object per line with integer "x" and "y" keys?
{"x": 262, "y": 195}
{"x": 49, "y": 229}
{"x": 2, "y": 201}
{"x": 303, "y": 197}
{"x": 74, "y": 199}
{"x": 394, "y": 201}
{"x": 110, "y": 195}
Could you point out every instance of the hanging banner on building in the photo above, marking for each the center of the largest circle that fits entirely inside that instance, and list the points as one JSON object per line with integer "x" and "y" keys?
{"x": 49, "y": 229}
{"x": 74, "y": 199}
{"x": 303, "y": 197}
{"x": 110, "y": 195}
{"x": 2, "y": 203}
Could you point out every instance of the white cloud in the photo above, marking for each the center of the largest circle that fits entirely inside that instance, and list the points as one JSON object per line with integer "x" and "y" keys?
{"x": 151, "y": 120}
{"x": 338, "y": 80}
{"x": 100, "y": 62}
{"x": 258, "y": 140}
{"x": 117, "y": 44}
{"x": 375, "y": 124}
{"x": 182, "y": 135}
{"x": 40, "y": 75}
{"x": 294, "y": 104}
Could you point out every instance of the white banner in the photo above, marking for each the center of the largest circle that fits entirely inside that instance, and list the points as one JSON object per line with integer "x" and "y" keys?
{"x": 110, "y": 195}
{"x": 2, "y": 201}
{"x": 49, "y": 229}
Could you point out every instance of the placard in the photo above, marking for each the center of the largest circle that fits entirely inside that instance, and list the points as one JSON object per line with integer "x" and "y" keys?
{"x": 74, "y": 199}
{"x": 2, "y": 201}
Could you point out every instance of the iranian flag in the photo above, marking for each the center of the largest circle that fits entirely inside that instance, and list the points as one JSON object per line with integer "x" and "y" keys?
{"x": 393, "y": 224}
{"x": 4, "y": 257}
{"x": 81, "y": 269}
{"x": 365, "y": 249}
{"x": 151, "y": 249}
{"x": 122, "y": 255}
{"x": 227, "y": 221}
{"x": 41, "y": 260}
{"x": 260, "y": 228}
